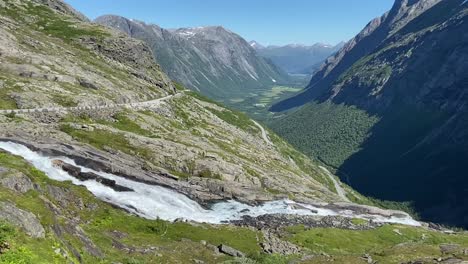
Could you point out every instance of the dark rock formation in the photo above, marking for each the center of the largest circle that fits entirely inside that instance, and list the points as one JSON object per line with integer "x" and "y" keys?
{"x": 86, "y": 176}
{"x": 230, "y": 251}
{"x": 275, "y": 221}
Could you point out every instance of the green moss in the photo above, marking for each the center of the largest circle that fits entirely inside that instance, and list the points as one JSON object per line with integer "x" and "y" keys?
{"x": 236, "y": 119}
{"x": 64, "y": 101}
{"x": 103, "y": 139}
{"x": 180, "y": 174}
{"x": 58, "y": 26}
{"x": 179, "y": 87}
{"x": 144, "y": 232}
{"x": 6, "y": 100}
{"x": 252, "y": 172}
{"x": 124, "y": 123}
{"x": 203, "y": 98}
{"x": 359, "y": 221}
{"x": 206, "y": 173}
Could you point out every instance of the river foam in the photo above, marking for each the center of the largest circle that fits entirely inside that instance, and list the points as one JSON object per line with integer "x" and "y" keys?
{"x": 153, "y": 202}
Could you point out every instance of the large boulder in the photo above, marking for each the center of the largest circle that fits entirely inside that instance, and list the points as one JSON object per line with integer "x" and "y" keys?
{"x": 17, "y": 182}
{"x": 449, "y": 248}
{"x": 230, "y": 251}
{"x": 274, "y": 245}
{"x": 23, "y": 219}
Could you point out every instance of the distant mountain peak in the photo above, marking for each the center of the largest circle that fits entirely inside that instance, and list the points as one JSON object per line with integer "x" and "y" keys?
{"x": 297, "y": 58}
{"x": 210, "y": 59}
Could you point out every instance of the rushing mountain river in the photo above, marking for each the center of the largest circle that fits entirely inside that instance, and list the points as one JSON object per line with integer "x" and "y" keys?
{"x": 152, "y": 202}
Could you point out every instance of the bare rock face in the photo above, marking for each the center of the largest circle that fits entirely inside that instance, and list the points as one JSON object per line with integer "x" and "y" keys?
{"x": 132, "y": 53}
{"x": 62, "y": 7}
{"x": 17, "y": 182}
{"x": 449, "y": 248}
{"x": 274, "y": 245}
{"x": 24, "y": 219}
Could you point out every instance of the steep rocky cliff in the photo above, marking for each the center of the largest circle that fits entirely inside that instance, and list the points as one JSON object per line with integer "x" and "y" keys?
{"x": 394, "y": 100}
{"x": 378, "y": 30}
{"x": 212, "y": 60}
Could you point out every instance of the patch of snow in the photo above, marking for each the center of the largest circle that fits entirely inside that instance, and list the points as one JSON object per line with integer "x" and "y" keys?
{"x": 464, "y": 2}
{"x": 186, "y": 33}
{"x": 251, "y": 75}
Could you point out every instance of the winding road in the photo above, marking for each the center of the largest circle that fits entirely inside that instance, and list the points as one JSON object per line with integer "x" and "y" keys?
{"x": 150, "y": 103}
{"x": 264, "y": 133}
{"x": 96, "y": 107}
{"x": 341, "y": 192}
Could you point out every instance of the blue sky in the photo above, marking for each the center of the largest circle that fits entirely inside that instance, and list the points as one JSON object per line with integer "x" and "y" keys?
{"x": 276, "y": 22}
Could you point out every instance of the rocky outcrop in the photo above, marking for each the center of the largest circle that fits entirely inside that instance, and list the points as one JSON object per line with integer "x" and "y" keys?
{"x": 17, "y": 182}
{"x": 272, "y": 244}
{"x": 275, "y": 221}
{"x": 132, "y": 53}
{"x": 23, "y": 219}
{"x": 99, "y": 58}
{"x": 62, "y": 7}
{"x": 230, "y": 251}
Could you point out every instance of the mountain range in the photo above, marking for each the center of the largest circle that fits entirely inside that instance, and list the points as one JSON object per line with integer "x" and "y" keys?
{"x": 105, "y": 159}
{"x": 211, "y": 60}
{"x": 296, "y": 58}
{"x": 388, "y": 110}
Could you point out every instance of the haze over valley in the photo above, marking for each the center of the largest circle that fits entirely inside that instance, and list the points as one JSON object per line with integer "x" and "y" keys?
{"x": 176, "y": 132}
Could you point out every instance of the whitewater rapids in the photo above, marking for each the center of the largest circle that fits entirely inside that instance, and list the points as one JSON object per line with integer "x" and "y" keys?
{"x": 155, "y": 202}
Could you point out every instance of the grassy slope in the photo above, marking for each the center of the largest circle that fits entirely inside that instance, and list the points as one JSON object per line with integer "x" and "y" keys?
{"x": 387, "y": 244}
{"x": 384, "y": 243}
{"x": 98, "y": 223}
{"x": 176, "y": 243}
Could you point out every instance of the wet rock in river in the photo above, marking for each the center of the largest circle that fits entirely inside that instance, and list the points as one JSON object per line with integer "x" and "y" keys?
{"x": 86, "y": 176}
